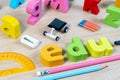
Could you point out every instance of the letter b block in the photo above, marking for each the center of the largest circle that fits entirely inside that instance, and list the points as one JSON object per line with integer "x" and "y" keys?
{"x": 102, "y": 48}
{"x": 76, "y": 50}
{"x": 51, "y": 55}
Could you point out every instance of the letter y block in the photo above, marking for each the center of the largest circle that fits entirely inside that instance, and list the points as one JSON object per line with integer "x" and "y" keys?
{"x": 15, "y": 3}
{"x": 102, "y": 48}
{"x": 62, "y": 4}
{"x": 113, "y": 19}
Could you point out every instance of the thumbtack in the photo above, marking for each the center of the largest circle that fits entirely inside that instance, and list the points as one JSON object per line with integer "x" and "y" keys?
{"x": 30, "y": 41}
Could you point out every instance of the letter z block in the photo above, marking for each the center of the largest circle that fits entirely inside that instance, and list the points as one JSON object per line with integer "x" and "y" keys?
{"x": 51, "y": 55}
{"x": 113, "y": 19}
{"x": 76, "y": 50}
{"x": 103, "y": 48}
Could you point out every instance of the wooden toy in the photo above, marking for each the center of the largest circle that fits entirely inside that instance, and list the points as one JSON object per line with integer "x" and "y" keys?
{"x": 30, "y": 41}
{"x": 76, "y": 50}
{"x": 51, "y": 55}
{"x": 26, "y": 63}
{"x": 89, "y": 25}
{"x": 103, "y": 48}
{"x": 57, "y": 25}
{"x": 113, "y": 19}
{"x": 91, "y": 5}
{"x": 117, "y": 3}
{"x": 63, "y": 5}
{"x": 16, "y": 3}
{"x": 10, "y": 26}
{"x": 34, "y": 7}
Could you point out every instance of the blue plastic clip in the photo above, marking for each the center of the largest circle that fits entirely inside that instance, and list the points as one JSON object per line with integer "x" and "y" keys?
{"x": 15, "y": 3}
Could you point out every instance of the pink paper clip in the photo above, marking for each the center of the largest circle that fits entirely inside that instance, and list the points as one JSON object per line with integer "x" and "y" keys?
{"x": 63, "y": 5}
{"x": 34, "y": 7}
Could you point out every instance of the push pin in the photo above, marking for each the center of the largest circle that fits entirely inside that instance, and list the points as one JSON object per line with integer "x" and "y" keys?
{"x": 30, "y": 41}
{"x": 57, "y": 25}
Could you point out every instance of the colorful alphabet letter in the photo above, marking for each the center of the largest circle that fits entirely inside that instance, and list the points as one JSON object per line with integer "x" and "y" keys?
{"x": 117, "y": 3}
{"x": 76, "y": 50}
{"x": 103, "y": 48}
{"x": 62, "y": 4}
{"x": 113, "y": 19}
{"x": 91, "y": 5}
{"x": 15, "y": 3}
{"x": 51, "y": 55}
{"x": 10, "y": 26}
{"x": 34, "y": 7}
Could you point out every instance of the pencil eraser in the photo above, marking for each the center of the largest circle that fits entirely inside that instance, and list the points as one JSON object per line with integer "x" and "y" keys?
{"x": 30, "y": 41}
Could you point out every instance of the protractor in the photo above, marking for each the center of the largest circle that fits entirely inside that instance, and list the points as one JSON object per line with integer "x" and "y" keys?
{"x": 26, "y": 63}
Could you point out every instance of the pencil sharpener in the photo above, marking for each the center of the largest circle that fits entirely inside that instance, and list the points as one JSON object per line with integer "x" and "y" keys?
{"x": 56, "y": 25}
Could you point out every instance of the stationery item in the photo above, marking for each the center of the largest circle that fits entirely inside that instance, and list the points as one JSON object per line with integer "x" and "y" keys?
{"x": 71, "y": 73}
{"x": 30, "y": 41}
{"x": 117, "y": 42}
{"x": 25, "y": 62}
{"x": 89, "y": 25}
{"x": 80, "y": 65}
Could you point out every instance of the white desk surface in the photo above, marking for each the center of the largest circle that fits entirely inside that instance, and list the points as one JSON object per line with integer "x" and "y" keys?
{"x": 72, "y": 17}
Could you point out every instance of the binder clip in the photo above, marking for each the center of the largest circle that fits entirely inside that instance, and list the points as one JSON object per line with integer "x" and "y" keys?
{"x": 56, "y": 25}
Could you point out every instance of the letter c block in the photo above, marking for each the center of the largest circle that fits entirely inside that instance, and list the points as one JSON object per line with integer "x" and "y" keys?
{"x": 102, "y": 48}
{"x": 10, "y": 26}
{"x": 76, "y": 50}
{"x": 51, "y": 55}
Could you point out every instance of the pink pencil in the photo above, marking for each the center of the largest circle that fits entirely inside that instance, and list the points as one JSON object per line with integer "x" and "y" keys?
{"x": 79, "y": 65}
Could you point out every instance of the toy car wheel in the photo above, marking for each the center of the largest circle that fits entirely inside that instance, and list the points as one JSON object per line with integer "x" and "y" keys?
{"x": 44, "y": 33}
{"x": 57, "y": 38}
{"x": 66, "y": 29}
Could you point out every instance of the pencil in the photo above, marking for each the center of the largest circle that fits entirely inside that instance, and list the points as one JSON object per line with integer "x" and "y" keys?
{"x": 71, "y": 73}
{"x": 78, "y": 65}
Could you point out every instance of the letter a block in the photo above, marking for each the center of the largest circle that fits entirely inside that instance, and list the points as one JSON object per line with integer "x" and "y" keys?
{"x": 34, "y": 7}
{"x": 51, "y": 55}
{"x": 63, "y": 5}
{"x": 10, "y": 26}
{"x": 103, "y": 48}
{"x": 117, "y": 3}
{"x": 76, "y": 50}
{"x": 113, "y": 19}
{"x": 91, "y": 5}
{"x": 15, "y": 3}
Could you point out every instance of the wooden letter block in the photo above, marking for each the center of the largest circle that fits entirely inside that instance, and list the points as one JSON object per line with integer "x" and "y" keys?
{"x": 113, "y": 19}
{"x": 103, "y": 48}
{"x": 51, "y": 55}
{"x": 10, "y": 26}
{"x": 91, "y": 5}
{"x": 34, "y": 7}
{"x": 76, "y": 50}
{"x": 63, "y": 5}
